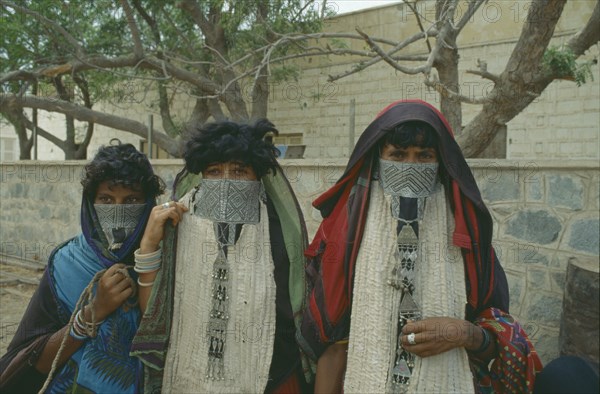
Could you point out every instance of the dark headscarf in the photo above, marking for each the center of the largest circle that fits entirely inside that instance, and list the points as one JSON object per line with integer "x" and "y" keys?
{"x": 344, "y": 208}
{"x": 45, "y": 314}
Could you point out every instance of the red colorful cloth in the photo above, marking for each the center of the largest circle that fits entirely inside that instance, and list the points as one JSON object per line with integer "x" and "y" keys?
{"x": 515, "y": 367}
{"x": 333, "y": 252}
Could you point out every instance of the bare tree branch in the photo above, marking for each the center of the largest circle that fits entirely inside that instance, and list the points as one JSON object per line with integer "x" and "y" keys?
{"x": 165, "y": 110}
{"x": 522, "y": 80}
{"x": 445, "y": 91}
{"x": 473, "y": 6}
{"x": 87, "y": 115}
{"x": 413, "y": 8}
{"x": 138, "y": 49}
{"x": 588, "y": 36}
{"x": 107, "y": 64}
{"x": 85, "y": 92}
{"x": 396, "y": 48}
{"x": 426, "y": 68}
{"x": 285, "y": 39}
{"x": 17, "y": 75}
{"x": 44, "y": 133}
{"x": 214, "y": 35}
{"x": 198, "y": 16}
{"x": 150, "y": 21}
{"x": 483, "y": 72}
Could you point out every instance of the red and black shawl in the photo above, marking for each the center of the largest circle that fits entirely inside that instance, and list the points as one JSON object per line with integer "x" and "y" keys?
{"x": 333, "y": 252}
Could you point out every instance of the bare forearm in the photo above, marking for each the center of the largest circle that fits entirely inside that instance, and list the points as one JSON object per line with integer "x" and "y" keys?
{"x": 146, "y": 278}
{"x": 477, "y": 341}
{"x": 145, "y": 291}
{"x": 330, "y": 369}
{"x": 44, "y": 362}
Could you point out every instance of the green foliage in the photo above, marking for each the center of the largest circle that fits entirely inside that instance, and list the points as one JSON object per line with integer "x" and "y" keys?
{"x": 561, "y": 62}
{"x": 284, "y": 73}
{"x": 204, "y": 52}
{"x": 167, "y": 31}
{"x": 336, "y": 43}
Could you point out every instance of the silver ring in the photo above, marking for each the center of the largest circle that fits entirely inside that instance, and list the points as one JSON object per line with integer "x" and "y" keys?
{"x": 166, "y": 205}
{"x": 411, "y": 339}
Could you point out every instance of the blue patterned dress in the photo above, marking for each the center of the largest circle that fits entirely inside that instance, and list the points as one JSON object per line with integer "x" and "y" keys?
{"x": 102, "y": 364}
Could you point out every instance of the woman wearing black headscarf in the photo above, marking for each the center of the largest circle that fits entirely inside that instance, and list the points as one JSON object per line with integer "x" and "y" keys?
{"x": 119, "y": 197}
{"x": 402, "y": 273}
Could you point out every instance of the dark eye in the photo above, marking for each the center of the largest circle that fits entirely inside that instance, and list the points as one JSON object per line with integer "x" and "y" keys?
{"x": 134, "y": 200}
{"x": 105, "y": 200}
{"x": 427, "y": 155}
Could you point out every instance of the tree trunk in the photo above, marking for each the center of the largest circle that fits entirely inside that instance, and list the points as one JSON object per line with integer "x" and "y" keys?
{"x": 446, "y": 63}
{"x": 16, "y": 118}
{"x": 521, "y": 82}
{"x": 447, "y": 67}
{"x": 69, "y": 142}
{"x": 260, "y": 96}
{"x": 260, "y": 92}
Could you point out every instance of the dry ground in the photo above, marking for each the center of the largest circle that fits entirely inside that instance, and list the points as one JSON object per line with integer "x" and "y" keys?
{"x": 17, "y": 285}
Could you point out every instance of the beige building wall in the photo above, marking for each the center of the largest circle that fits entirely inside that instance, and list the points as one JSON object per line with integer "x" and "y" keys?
{"x": 562, "y": 123}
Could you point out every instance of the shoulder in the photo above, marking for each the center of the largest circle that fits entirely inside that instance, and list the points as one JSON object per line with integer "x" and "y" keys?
{"x": 65, "y": 254}
{"x": 71, "y": 267}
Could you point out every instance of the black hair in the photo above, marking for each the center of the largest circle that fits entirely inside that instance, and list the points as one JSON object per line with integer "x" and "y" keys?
{"x": 229, "y": 141}
{"x": 416, "y": 133}
{"x": 123, "y": 165}
{"x": 412, "y": 133}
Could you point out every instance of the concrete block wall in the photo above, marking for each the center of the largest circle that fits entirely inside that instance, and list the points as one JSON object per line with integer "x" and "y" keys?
{"x": 545, "y": 212}
{"x": 564, "y": 122}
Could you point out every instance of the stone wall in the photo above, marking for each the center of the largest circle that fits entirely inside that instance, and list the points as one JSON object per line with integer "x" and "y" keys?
{"x": 544, "y": 212}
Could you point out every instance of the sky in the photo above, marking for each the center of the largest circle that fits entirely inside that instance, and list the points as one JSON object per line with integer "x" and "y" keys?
{"x": 344, "y": 6}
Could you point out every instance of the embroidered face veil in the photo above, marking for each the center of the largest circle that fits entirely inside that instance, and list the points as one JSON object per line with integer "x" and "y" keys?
{"x": 232, "y": 159}
{"x": 114, "y": 228}
{"x": 411, "y": 166}
{"x": 408, "y": 168}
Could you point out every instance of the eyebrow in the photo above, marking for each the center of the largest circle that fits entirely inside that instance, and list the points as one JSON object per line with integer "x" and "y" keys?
{"x": 135, "y": 193}
{"x": 414, "y": 146}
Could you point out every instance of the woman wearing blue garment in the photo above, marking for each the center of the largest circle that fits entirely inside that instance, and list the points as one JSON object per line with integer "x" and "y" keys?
{"x": 119, "y": 197}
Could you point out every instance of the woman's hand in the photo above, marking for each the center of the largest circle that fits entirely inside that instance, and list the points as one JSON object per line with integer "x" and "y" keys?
{"x": 113, "y": 289}
{"x": 155, "y": 229}
{"x": 439, "y": 334}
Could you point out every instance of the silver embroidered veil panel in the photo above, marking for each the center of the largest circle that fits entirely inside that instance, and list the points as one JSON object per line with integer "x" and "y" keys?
{"x": 377, "y": 303}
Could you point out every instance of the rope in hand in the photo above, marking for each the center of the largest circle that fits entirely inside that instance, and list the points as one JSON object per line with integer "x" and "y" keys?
{"x": 86, "y": 297}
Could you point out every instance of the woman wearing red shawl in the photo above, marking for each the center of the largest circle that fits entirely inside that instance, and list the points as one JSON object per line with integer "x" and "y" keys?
{"x": 406, "y": 293}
